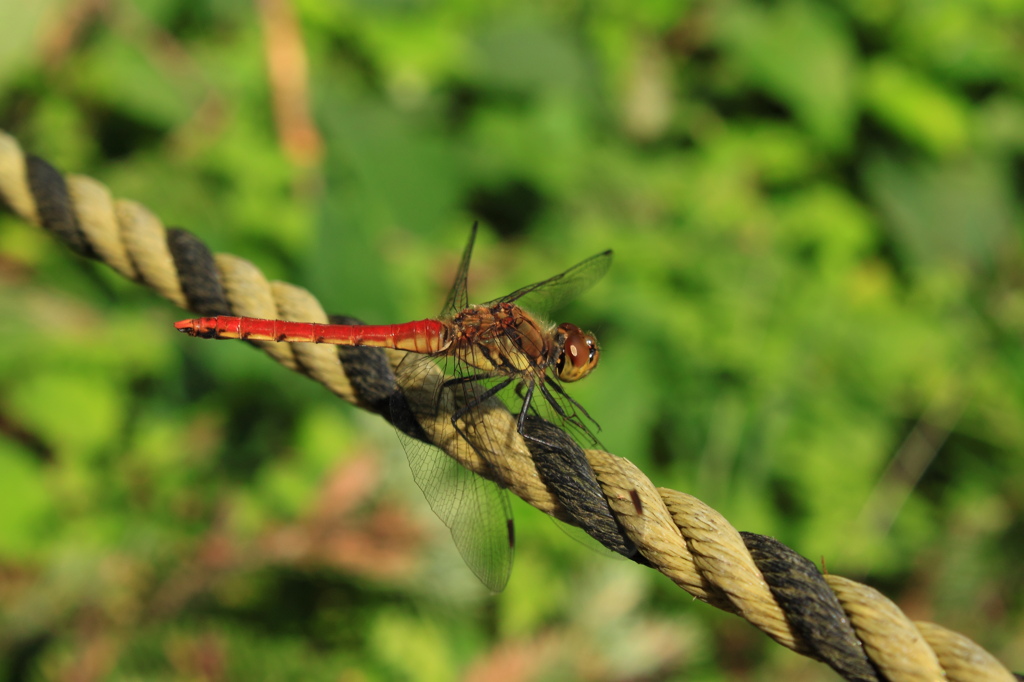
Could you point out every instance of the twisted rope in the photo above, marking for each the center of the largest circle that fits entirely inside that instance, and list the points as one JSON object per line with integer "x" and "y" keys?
{"x": 853, "y": 628}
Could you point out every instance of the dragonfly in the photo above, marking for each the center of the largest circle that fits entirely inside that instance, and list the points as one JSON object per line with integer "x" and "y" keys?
{"x": 482, "y": 350}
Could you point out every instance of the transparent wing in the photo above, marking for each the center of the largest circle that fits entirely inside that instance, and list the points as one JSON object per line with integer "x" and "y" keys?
{"x": 458, "y": 297}
{"x": 554, "y": 292}
{"x": 476, "y": 510}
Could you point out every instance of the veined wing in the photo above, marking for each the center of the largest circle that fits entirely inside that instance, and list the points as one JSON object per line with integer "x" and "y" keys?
{"x": 554, "y": 292}
{"x": 475, "y": 509}
{"x": 458, "y": 296}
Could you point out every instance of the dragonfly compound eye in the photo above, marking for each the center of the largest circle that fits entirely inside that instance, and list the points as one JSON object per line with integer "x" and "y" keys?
{"x": 578, "y": 355}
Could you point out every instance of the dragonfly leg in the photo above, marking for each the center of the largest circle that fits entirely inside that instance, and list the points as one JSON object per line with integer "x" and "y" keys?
{"x": 526, "y": 396}
{"x": 465, "y": 409}
{"x": 576, "y": 406}
{"x": 558, "y": 410}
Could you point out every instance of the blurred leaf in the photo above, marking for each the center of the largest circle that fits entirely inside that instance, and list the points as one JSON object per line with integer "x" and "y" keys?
{"x": 520, "y": 52}
{"x": 802, "y": 53}
{"x": 915, "y": 107}
{"x": 411, "y": 647}
{"x": 156, "y": 98}
{"x": 965, "y": 40}
{"x": 78, "y": 414}
{"x": 22, "y": 27}
{"x": 25, "y": 503}
{"x": 958, "y": 212}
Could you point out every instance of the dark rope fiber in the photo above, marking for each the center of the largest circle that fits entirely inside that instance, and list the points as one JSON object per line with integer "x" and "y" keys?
{"x": 811, "y": 607}
{"x": 55, "y": 208}
{"x": 198, "y": 272}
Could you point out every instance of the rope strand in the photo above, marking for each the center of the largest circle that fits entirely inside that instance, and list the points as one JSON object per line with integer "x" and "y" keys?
{"x": 849, "y": 626}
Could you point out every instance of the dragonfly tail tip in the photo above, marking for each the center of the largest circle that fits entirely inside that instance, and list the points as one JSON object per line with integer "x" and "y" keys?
{"x": 187, "y": 327}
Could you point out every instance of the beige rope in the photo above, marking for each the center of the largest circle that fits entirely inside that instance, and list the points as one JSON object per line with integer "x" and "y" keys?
{"x": 681, "y": 537}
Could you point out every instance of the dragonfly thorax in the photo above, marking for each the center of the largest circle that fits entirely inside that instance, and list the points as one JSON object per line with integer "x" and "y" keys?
{"x": 504, "y": 339}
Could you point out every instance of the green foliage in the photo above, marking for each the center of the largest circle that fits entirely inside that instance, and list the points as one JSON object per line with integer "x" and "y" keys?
{"x": 814, "y": 321}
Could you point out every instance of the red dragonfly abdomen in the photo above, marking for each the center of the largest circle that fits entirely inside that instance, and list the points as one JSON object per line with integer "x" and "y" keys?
{"x": 423, "y": 336}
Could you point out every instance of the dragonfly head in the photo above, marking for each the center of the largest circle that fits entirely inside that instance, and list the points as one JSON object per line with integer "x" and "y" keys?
{"x": 578, "y": 353}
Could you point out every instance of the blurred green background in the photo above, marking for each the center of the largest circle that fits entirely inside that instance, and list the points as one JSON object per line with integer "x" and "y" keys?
{"x": 814, "y": 322}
